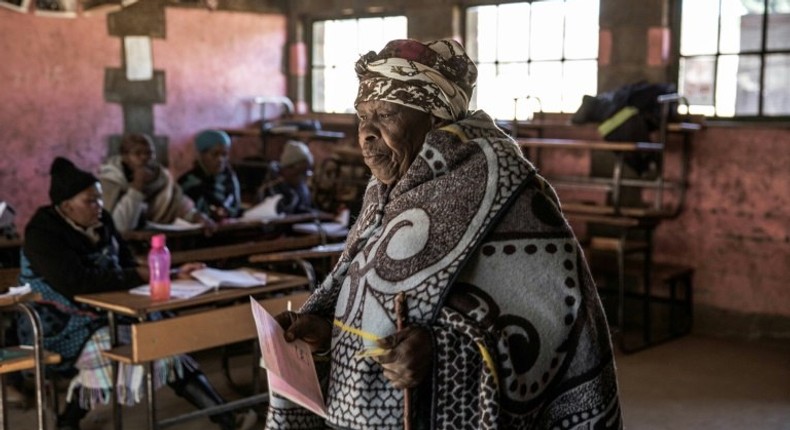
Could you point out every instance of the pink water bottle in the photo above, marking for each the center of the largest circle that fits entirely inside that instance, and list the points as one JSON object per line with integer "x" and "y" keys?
{"x": 159, "y": 268}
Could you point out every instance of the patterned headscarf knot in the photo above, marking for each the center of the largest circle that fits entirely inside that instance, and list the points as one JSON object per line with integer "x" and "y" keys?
{"x": 435, "y": 77}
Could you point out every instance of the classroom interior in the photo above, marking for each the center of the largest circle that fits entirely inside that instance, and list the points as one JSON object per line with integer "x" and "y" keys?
{"x": 710, "y": 217}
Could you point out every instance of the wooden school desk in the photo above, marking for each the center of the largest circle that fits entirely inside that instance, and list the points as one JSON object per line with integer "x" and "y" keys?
{"x": 214, "y": 319}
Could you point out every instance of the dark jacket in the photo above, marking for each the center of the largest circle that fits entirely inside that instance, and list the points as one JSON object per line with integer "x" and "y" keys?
{"x": 68, "y": 261}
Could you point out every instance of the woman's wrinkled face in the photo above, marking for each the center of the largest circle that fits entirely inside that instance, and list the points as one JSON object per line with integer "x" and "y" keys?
{"x": 391, "y": 136}
{"x": 215, "y": 159}
{"x": 84, "y": 208}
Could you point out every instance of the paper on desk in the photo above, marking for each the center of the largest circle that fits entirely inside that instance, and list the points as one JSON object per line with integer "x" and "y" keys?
{"x": 216, "y": 278}
{"x": 179, "y": 289}
{"x": 264, "y": 210}
{"x": 290, "y": 368}
{"x": 18, "y": 291}
{"x": 179, "y": 224}
{"x": 335, "y": 229}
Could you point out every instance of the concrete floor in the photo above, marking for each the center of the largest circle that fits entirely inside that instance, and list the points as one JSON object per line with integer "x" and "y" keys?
{"x": 689, "y": 383}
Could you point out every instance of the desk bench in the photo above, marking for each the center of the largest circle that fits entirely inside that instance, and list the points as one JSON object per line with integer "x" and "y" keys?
{"x": 204, "y": 326}
{"x": 667, "y": 298}
{"x": 154, "y": 340}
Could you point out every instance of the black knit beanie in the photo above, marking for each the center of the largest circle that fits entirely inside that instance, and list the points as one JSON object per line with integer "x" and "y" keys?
{"x": 67, "y": 180}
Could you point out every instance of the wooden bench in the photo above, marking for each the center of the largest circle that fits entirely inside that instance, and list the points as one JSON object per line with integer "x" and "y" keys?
{"x": 661, "y": 284}
{"x": 194, "y": 332}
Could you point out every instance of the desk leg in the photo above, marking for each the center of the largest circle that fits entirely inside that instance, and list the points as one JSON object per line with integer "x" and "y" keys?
{"x": 621, "y": 287}
{"x": 38, "y": 356}
{"x": 117, "y": 422}
{"x": 617, "y": 179}
{"x": 149, "y": 383}
{"x": 648, "y": 269}
{"x": 3, "y": 416}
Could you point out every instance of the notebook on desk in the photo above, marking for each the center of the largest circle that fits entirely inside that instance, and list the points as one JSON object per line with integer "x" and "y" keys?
{"x": 206, "y": 280}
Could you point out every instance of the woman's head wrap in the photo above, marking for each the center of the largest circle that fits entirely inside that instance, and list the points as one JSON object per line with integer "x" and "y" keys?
{"x": 294, "y": 152}
{"x": 435, "y": 77}
{"x": 208, "y": 139}
{"x": 67, "y": 180}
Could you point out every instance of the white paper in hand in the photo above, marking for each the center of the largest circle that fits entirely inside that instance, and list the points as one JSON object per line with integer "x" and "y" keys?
{"x": 264, "y": 210}
{"x": 290, "y": 368}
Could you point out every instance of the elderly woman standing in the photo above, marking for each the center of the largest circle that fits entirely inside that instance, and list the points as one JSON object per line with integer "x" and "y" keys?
{"x": 212, "y": 184}
{"x": 504, "y": 328}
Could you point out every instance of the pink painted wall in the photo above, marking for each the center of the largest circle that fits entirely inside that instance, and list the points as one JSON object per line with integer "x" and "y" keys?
{"x": 51, "y": 85}
{"x": 735, "y": 229}
{"x": 216, "y": 63}
{"x": 52, "y": 78}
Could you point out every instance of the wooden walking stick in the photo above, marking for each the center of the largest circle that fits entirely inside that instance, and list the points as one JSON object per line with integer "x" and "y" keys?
{"x": 401, "y": 313}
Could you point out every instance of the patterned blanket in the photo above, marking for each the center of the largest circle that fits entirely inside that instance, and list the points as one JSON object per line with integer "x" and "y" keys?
{"x": 475, "y": 239}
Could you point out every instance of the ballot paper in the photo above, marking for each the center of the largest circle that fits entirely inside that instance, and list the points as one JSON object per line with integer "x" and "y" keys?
{"x": 289, "y": 365}
{"x": 206, "y": 280}
{"x": 266, "y": 209}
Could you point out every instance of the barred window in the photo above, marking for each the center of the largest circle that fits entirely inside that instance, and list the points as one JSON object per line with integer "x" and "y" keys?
{"x": 533, "y": 55}
{"x": 735, "y": 57}
{"x": 337, "y": 45}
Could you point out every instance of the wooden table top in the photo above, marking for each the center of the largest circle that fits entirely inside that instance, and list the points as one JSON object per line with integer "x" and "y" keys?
{"x": 136, "y": 305}
{"x": 590, "y": 145}
{"x": 329, "y": 250}
{"x": 230, "y": 225}
{"x": 10, "y": 300}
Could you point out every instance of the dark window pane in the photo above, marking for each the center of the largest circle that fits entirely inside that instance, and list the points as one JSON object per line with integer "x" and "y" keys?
{"x": 776, "y": 94}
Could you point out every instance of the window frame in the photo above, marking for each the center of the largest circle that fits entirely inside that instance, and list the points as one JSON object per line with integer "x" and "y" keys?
{"x": 674, "y": 67}
{"x": 562, "y": 60}
{"x": 309, "y": 38}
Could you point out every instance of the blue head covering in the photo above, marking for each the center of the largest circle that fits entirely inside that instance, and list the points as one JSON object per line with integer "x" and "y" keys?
{"x": 208, "y": 139}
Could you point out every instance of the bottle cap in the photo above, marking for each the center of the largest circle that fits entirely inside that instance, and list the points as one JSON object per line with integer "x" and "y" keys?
{"x": 158, "y": 241}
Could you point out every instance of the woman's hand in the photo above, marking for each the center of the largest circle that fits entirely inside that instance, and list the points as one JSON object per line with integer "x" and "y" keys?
{"x": 314, "y": 330}
{"x": 185, "y": 271}
{"x": 209, "y": 226}
{"x": 408, "y": 358}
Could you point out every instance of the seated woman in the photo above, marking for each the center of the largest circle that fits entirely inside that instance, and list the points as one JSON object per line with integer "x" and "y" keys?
{"x": 288, "y": 178}
{"x": 212, "y": 184}
{"x": 137, "y": 189}
{"x": 72, "y": 247}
